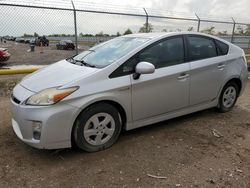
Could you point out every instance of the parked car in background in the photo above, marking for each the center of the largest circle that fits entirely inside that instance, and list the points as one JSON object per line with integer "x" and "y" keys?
{"x": 126, "y": 83}
{"x": 42, "y": 41}
{"x": 4, "y": 55}
{"x": 32, "y": 41}
{"x": 20, "y": 40}
{"x": 10, "y": 38}
{"x": 27, "y": 41}
{"x": 65, "y": 45}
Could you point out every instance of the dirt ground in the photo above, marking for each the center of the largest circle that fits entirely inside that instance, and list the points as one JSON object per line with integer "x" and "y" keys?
{"x": 183, "y": 150}
{"x": 21, "y": 56}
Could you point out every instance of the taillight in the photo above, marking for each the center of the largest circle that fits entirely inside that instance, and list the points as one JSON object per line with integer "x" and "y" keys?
{"x": 5, "y": 53}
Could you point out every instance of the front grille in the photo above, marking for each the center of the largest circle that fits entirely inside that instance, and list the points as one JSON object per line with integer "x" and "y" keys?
{"x": 15, "y": 99}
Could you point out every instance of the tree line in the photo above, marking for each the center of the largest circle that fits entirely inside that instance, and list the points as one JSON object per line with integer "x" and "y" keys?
{"x": 148, "y": 27}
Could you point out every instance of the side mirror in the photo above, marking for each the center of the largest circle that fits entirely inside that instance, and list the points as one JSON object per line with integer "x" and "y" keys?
{"x": 143, "y": 68}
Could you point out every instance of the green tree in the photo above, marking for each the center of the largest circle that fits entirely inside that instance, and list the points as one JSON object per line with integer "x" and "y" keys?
{"x": 27, "y": 35}
{"x": 118, "y": 34}
{"x": 209, "y": 30}
{"x": 100, "y": 34}
{"x": 127, "y": 32}
{"x": 106, "y": 35}
{"x": 88, "y": 35}
{"x": 240, "y": 30}
{"x": 36, "y": 34}
{"x": 146, "y": 28}
{"x": 80, "y": 34}
{"x": 222, "y": 33}
{"x": 247, "y": 31}
{"x": 191, "y": 29}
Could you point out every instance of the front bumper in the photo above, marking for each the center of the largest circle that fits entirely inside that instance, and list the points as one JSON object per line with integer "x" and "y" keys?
{"x": 56, "y": 120}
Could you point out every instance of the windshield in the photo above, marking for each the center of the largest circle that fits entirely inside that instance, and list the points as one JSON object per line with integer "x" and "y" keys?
{"x": 106, "y": 53}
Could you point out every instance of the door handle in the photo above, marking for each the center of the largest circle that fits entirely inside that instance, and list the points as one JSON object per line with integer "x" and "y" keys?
{"x": 183, "y": 76}
{"x": 221, "y": 66}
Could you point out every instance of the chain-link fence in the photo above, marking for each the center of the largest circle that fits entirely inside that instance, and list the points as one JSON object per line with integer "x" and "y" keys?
{"x": 43, "y": 32}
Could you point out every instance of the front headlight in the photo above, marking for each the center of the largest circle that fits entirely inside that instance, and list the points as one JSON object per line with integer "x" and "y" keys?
{"x": 49, "y": 96}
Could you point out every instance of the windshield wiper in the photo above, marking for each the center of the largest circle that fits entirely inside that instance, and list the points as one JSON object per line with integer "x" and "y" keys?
{"x": 74, "y": 61}
{"x": 71, "y": 60}
{"x": 82, "y": 62}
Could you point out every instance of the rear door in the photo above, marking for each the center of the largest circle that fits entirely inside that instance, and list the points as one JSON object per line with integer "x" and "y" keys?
{"x": 207, "y": 69}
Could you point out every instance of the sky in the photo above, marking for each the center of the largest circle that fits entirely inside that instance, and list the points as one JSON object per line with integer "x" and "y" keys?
{"x": 217, "y": 8}
{"x": 22, "y": 20}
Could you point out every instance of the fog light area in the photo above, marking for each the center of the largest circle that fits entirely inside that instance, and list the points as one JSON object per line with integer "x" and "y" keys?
{"x": 37, "y": 126}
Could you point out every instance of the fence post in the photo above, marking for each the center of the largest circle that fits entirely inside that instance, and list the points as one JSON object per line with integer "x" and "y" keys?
{"x": 232, "y": 38}
{"x": 199, "y": 22}
{"x": 75, "y": 24}
{"x": 146, "y": 20}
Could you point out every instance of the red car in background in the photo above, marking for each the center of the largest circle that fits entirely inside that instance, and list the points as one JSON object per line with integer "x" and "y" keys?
{"x": 4, "y": 55}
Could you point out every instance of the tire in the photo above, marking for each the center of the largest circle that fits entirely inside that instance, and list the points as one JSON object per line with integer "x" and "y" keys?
{"x": 97, "y": 128}
{"x": 228, "y": 97}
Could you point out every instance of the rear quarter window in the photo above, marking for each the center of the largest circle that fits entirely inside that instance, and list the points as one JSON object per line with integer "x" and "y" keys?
{"x": 222, "y": 48}
{"x": 200, "y": 47}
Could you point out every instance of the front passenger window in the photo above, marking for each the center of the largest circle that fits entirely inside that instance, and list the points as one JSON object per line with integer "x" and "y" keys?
{"x": 166, "y": 53}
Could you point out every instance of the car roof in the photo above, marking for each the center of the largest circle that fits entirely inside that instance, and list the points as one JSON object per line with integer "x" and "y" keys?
{"x": 166, "y": 34}
{"x": 146, "y": 35}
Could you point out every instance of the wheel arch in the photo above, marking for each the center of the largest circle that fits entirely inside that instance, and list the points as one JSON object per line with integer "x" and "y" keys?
{"x": 236, "y": 80}
{"x": 117, "y": 105}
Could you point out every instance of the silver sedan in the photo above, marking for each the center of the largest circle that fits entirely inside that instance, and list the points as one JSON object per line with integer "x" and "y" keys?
{"x": 126, "y": 83}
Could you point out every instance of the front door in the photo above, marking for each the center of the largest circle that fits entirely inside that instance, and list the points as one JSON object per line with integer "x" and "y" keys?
{"x": 167, "y": 89}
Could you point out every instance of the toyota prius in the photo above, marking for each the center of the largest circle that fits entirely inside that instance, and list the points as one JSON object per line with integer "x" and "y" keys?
{"x": 126, "y": 83}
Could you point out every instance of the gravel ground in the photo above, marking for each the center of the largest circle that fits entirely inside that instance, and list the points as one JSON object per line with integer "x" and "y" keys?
{"x": 20, "y": 56}
{"x": 183, "y": 150}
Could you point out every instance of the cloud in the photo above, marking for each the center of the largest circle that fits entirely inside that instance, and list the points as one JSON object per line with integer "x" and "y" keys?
{"x": 22, "y": 20}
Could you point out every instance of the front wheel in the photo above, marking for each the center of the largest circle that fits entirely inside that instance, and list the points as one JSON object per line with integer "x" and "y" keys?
{"x": 228, "y": 97}
{"x": 97, "y": 128}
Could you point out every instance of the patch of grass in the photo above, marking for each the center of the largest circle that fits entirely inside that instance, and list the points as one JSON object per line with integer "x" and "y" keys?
{"x": 247, "y": 51}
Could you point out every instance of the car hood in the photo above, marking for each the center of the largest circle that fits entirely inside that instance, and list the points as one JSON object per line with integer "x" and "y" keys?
{"x": 55, "y": 75}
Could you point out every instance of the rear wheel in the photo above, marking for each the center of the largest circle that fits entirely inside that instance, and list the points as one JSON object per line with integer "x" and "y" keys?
{"x": 97, "y": 128}
{"x": 228, "y": 97}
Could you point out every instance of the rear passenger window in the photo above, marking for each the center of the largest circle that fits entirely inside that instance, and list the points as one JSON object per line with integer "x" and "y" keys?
{"x": 201, "y": 48}
{"x": 166, "y": 53}
{"x": 222, "y": 48}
